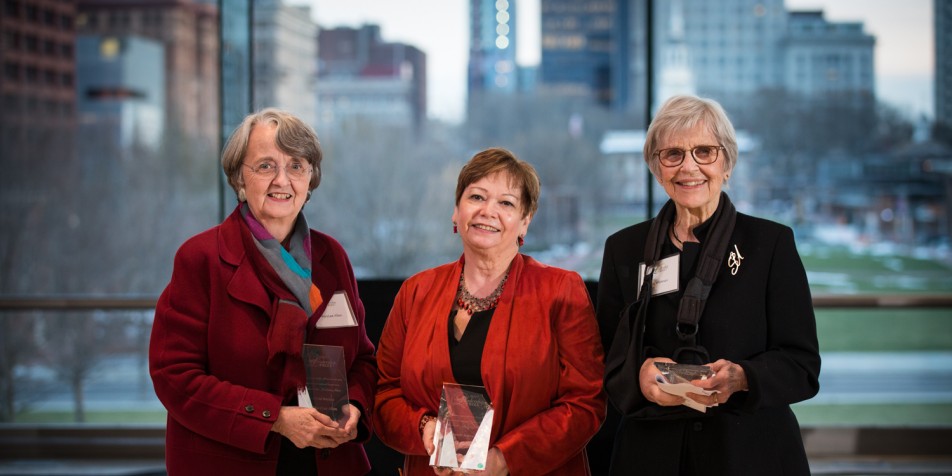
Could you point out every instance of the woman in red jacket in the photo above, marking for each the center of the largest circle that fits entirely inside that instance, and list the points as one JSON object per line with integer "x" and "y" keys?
{"x": 499, "y": 319}
{"x": 245, "y": 296}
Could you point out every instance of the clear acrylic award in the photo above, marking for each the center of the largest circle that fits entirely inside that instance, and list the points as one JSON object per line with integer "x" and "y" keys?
{"x": 327, "y": 380}
{"x": 676, "y": 379}
{"x": 463, "y": 426}
{"x": 684, "y": 373}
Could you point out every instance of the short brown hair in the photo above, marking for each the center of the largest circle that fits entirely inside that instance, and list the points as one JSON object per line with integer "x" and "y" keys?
{"x": 292, "y": 136}
{"x": 490, "y": 161}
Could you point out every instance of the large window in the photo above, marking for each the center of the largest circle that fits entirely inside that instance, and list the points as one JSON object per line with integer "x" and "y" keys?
{"x": 111, "y": 134}
{"x": 108, "y": 154}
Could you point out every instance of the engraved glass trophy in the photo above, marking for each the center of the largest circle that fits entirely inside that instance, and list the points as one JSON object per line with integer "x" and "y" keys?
{"x": 327, "y": 380}
{"x": 463, "y": 426}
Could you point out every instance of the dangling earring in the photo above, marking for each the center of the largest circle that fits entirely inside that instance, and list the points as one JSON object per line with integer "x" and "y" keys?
{"x": 241, "y": 195}
{"x": 521, "y": 240}
{"x": 455, "y": 231}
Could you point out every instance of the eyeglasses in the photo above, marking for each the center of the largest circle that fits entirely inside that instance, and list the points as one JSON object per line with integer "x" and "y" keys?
{"x": 296, "y": 170}
{"x": 703, "y": 155}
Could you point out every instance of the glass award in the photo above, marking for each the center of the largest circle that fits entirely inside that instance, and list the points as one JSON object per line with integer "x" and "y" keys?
{"x": 327, "y": 380}
{"x": 676, "y": 379}
{"x": 463, "y": 426}
{"x": 684, "y": 373}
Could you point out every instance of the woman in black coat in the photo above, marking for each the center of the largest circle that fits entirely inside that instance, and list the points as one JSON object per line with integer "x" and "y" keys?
{"x": 703, "y": 284}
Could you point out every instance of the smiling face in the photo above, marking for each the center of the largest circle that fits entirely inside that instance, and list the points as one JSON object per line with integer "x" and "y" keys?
{"x": 489, "y": 215}
{"x": 274, "y": 201}
{"x": 694, "y": 188}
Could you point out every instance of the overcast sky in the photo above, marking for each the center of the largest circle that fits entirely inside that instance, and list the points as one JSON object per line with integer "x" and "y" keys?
{"x": 903, "y": 29}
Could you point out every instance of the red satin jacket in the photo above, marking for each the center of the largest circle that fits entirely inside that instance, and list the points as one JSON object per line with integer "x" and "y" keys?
{"x": 208, "y": 358}
{"x": 542, "y": 367}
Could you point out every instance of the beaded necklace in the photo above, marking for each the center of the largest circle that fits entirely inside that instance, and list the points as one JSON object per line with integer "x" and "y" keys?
{"x": 473, "y": 304}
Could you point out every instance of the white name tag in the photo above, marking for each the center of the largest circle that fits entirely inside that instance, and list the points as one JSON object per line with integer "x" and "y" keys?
{"x": 664, "y": 278}
{"x": 338, "y": 313}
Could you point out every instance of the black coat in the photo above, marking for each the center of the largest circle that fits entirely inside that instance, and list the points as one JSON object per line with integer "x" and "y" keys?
{"x": 760, "y": 318}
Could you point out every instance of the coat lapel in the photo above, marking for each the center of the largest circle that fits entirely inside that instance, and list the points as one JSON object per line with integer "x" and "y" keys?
{"x": 244, "y": 285}
{"x": 493, "y": 365}
{"x": 440, "y": 364}
{"x": 322, "y": 277}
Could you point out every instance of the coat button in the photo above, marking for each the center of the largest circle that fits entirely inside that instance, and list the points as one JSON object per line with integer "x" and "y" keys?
{"x": 250, "y": 408}
{"x": 266, "y": 413}
{"x": 698, "y": 426}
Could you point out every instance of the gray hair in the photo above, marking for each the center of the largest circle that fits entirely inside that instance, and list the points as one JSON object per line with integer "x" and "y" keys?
{"x": 292, "y": 136}
{"x": 681, "y": 113}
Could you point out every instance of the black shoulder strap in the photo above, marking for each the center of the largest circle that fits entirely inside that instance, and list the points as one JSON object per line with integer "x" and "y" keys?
{"x": 624, "y": 357}
{"x": 712, "y": 255}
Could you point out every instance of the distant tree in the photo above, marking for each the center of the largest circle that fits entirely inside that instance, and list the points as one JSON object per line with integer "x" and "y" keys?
{"x": 16, "y": 345}
{"x": 942, "y": 132}
{"x": 560, "y": 137}
{"x": 93, "y": 218}
{"x": 892, "y": 129}
{"x": 798, "y": 133}
{"x": 71, "y": 346}
{"x": 387, "y": 195}
{"x": 786, "y": 121}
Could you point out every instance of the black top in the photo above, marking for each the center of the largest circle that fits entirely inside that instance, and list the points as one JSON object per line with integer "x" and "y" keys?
{"x": 467, "y": 353}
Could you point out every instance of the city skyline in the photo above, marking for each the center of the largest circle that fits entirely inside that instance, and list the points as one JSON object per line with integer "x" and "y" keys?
{"x": 904, "y": 58}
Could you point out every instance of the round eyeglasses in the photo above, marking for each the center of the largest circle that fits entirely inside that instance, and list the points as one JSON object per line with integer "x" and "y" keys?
{"x": 296, "y": 170}
{"x": 703, "y": 155}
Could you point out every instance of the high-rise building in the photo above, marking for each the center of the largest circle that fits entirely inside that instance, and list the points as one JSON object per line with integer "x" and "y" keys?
{"x": 122, "y": 104}
{"x": 943, "y": 61}
{"x": 577, "y": 47}
{"x": 285, "y": 58}
{"x": 674, "y": 65}
{"x": 827, "y": 59}
{"x": 188, "y": 32}
{"x": 38, "y": 82}
{"x": 362, "y": 76}
{"x": 628, "y": 63}
{"x": 492, "y": 47}
{"x": 735, "y": 46}
{"x": 38, "y": 109}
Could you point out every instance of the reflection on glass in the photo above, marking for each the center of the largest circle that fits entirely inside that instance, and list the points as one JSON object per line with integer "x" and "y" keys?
{"x": 109, "y": 144}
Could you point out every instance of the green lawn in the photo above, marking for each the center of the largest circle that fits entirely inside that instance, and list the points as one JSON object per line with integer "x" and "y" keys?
{"x": 144, "y": 417}
{"x": 808, "y": 414}
{"x": 836, "y": 270}
{"x": 857, "y": 330}
{"x": 874, "y": 415}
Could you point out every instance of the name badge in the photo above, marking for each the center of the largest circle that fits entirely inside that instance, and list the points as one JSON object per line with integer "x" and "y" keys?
{"x": 664, "y": 275}
{"x": 338, "y": 313}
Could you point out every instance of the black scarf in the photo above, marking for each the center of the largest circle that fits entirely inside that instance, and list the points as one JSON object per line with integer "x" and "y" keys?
{"x": 626, "y": 355}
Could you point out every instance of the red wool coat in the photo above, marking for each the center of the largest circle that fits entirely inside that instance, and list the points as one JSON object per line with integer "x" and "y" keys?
{"x": 542, "y": 367}
{"x": 208, "y": 357}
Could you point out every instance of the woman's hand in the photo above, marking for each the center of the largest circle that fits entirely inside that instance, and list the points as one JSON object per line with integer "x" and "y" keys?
{"x": 495, "y": 466}
{"x": 349, "y": 431}
{"x": 496, "y": 463}
{"x": 649, "y": 385}
{"x": 728, "y": 379}
{"x": 428, "y": 430}
{"x": 308, "y": 427}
